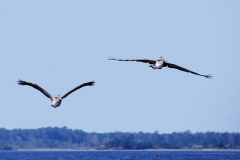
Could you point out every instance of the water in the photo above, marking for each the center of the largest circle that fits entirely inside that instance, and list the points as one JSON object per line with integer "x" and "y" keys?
{"x": 120, "y": 155}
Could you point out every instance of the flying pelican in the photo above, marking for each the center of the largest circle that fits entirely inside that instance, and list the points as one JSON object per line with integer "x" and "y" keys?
{"x": 158, "y": 64}
{"x": 56, "y": 101}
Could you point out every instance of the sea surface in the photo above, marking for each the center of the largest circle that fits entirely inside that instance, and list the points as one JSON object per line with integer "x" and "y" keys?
{"x": 120, "y": 155}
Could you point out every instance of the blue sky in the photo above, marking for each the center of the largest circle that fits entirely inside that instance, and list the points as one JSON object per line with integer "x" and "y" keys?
{"x": 61, "y": 44}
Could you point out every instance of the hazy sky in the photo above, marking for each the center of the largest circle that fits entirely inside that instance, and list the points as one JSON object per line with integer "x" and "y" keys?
{"x": 61, "y": 44}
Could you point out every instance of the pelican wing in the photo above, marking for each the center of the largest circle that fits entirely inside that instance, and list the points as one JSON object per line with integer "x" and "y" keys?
{"x": 20, "y": 82}
{"x": 136, "y": 60}
{"x": 185, "y": 70}
{"x": 76, "y": 88}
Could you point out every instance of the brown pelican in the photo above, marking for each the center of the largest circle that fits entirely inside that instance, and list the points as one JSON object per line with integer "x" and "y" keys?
{"x": 158, "y": 64}
{"x": 56, "y": 101}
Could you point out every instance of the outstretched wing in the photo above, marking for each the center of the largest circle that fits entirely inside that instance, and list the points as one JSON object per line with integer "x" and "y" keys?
{"x": 185, "y": 70}
{"x": 76, "y": 88}
{"x": 20, "y": 82}
{"x": 136, "y": 60}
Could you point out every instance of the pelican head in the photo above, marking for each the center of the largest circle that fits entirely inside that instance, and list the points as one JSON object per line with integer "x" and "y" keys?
{"x": 59, "y": 97}
{"x": 162, "y": 59}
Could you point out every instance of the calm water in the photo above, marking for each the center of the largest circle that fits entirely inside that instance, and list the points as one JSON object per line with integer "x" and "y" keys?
{"x": 119, "y": 155}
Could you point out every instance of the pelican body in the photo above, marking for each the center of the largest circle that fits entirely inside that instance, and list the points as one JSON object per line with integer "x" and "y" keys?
{"x": 56, "y": 101}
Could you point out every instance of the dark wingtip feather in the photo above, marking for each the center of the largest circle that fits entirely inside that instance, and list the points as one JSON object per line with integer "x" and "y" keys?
{"x": 111, "y": 58}
{"x": 92, "y": 83}
{"x": 208, "y": 76}
{"x": 20, "y": 82}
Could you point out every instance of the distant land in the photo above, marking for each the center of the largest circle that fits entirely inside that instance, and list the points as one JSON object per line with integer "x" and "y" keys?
{"x": 51, "y": 138}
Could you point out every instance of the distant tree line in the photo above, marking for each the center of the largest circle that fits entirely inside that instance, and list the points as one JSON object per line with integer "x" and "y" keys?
{"x": 54, "y": 137}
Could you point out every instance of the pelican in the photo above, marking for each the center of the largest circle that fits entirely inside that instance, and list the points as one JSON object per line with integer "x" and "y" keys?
{"x": 158, "y": 64}
{"x": 56, "y": 101}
